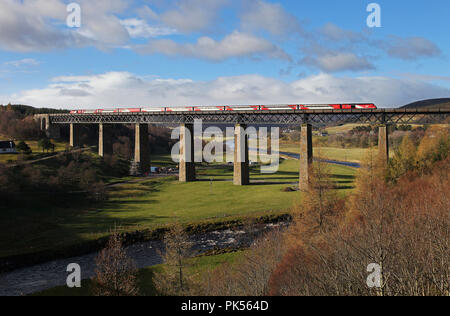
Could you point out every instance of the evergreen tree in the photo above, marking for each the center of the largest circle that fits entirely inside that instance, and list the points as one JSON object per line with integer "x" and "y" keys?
{"x": 23, "y": 148}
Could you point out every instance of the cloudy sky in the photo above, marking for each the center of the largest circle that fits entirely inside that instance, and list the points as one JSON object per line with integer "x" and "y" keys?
{"x": 204, "y": 52}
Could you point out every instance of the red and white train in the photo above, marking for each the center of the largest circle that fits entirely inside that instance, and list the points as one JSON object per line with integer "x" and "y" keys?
{"x": 364, "y": 106}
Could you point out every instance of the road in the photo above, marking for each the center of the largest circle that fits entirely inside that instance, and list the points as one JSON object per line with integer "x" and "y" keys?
{"x": 334, "y": 162}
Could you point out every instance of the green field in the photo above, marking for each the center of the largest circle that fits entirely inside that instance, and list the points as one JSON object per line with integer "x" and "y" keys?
{"x": 35, "y": 225}
{"x": 331, "y": 153}
{"x": 37, "y": 152}
{"x": 342, "y": 128}
{"x": 196, "y": 266}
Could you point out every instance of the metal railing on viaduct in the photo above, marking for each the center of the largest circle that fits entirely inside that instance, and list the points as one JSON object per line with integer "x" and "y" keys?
{"x": 306, "y": 118}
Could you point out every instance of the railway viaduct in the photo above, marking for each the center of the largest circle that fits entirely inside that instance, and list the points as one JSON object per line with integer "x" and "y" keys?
{"x": 306, "y": 118}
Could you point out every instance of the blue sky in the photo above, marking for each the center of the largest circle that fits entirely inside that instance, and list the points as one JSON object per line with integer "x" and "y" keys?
{"x": 199, "y": 52}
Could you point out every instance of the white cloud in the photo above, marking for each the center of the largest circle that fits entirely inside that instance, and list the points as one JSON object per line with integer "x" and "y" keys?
{"x": 335, "y": 62}
{"x": 25, "y": 26}
{"x": 100, "y": 25}
{"x": 236, "y": 44}
{"x": 39, "y": 25}
{"x": 138, "y": 28}
{"x": 147, "y": 13}
{"x": 334, "y": 49}
{"x": 271, "y": 17}
{"x": 423, "y": 77}
{"x": 122, "y": 89}
{"x": 411, "y": 48}
{"x": 27, "y": 62}
{"x": 334, "y": 33}
{"x": 191, "y": 15}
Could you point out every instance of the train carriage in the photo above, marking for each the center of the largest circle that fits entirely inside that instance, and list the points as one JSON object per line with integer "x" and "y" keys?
{"x": 236, "y": 108}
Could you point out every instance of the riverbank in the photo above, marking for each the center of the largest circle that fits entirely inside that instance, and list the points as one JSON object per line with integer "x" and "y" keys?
{"x": 12, "y": 263}
{"x": 53, "y": 273}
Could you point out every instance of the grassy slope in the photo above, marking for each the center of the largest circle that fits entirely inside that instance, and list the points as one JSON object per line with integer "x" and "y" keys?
{"x": 333, "y": 130}
{"x": 150, "y": 204}
{"x": 429, "y": 104}
{"x": 145, "y": 276}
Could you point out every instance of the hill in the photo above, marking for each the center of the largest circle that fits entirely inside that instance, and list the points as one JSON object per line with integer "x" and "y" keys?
{"x": 429, "y": 104}
{"x": 26, "y": 110}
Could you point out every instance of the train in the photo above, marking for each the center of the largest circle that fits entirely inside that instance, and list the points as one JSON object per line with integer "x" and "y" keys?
{"x": 237, "y": 108}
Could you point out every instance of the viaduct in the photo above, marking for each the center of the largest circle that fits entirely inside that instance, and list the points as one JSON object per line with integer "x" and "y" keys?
{"x": 306, "y": 118}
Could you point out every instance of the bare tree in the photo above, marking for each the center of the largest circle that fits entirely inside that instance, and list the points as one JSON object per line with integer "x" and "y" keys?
{"x": 173, "y": 278}
{"x": 116, "y": 273}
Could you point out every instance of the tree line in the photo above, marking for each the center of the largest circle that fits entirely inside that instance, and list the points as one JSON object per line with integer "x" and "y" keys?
{"x": 71, "y": 173}
{"x": 15, "y": 125}
{"x": 364, "y": 136}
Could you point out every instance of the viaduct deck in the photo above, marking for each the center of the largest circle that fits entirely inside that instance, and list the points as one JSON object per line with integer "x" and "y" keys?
{"x": 186, "y": 120}
{"x": 377, "y": 116}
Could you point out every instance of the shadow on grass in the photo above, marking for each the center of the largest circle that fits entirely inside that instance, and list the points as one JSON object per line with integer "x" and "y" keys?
{"x": 347, "y": 187}
{"x": 215, "y": 174}
{"x": 344, "y": 182}
{"x": 39, "y": 221}
{"x": 276, "y": 178}
{"x": 343, "y": 176}
{"x": 280, "y": 173}
{"x": 111, "y": 205}
{"x": 272, "y": 183}
{"x": 213, "y": 180}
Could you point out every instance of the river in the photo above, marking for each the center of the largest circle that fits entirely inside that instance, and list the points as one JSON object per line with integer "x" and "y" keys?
{"x": 51, "y": 274}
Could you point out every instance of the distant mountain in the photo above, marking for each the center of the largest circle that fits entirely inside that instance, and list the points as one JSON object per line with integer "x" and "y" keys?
{"x": 429, "y": 104}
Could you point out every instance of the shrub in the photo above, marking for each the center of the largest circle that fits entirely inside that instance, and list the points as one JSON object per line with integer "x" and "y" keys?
{"x": 23, "y": 148}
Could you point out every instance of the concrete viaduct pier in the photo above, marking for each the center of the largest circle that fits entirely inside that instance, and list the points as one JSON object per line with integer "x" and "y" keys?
{"x": 383, "y": 143}
{"x": 141, "y": 148}
{"x": 51, "y": 130}
{"x": 306, "y": 156}
{"x": 74, "y": 138}
{"x": 141, "y": 144}
{"x": 187, "y": 155}
{"x": 241, "y": 174}
{"x": 305, "y": 118}
{"x": 104, "y": 140}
